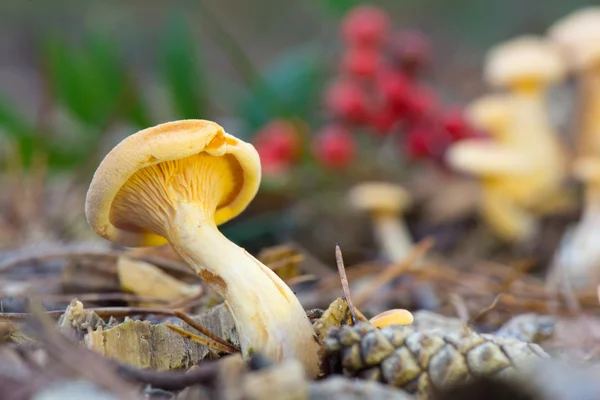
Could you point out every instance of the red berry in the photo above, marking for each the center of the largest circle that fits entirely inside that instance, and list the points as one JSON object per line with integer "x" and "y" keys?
{"x": 383, "y": 121}
{"x": 412, "y": 50}
{"x": 346, "y": 100}
{"x": 455, "y": 124}
{"x": 281, "y": 139}
{"x": 394, "y": 87}
{"x": 361, "y": 61}
{"x": 365, "y": 25}
{"x": 418, "y": 145}
{"x": 426, "y": 140}
{"x": 421, "y": 102}
{"x": 271, "y": 161}
{"x": 334, "y": 147}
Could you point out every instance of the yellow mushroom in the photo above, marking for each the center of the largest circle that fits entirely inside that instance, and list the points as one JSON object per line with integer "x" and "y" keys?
{"x": 523, "y": 166}
{"x": 492, "y": 113}
{"x": 385, "y": 202}
{"x": 578, "y": 35}
{"x": 392, "y": 317}
{"x": 176, "y": 182}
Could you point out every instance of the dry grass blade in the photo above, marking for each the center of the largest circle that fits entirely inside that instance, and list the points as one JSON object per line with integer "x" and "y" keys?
{"x": 196, "y": 325}
{"x": 203, "y": 341}
{"x": 485, "y": 310}
{"x": 345, "y": 287}
{"x": 393, "y": 272}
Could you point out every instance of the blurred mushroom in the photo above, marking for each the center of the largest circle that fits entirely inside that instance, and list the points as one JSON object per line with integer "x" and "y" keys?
{"x": 392, "y": 317}
{"x": 578, "y": 34}
{"x": 577, "y": 259}
{"x": 385, "y": 202}
{"x": 492, "y": 113}
{"x": 176, "y": 182}
{"x": 523, "y": 167}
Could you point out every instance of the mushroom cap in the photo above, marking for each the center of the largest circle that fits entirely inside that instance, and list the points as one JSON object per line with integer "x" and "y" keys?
{"x": 392, "y": 317}
{"x": 578, "y": 34}
{"x": 379, "y": 197}
{"x": 482, "y": 157}
{"x": 167, "y": 142}
{"x": 526, "y": 58}
{"x": 489, "y": 112}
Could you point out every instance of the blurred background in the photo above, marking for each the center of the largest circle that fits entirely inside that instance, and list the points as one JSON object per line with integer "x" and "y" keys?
{"x": 77, "y": 77}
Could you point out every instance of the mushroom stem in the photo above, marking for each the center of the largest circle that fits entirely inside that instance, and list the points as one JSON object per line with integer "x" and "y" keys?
{"x": 393, "y": 236}
{"x": 269, "y": 318}
{"x": 589, "y": 139}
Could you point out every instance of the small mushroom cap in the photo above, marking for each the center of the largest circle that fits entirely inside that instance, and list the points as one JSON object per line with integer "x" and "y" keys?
{"x": 168, "y": 142}
{"x": 392, "y": 317}
{"x": 481, "y": 157}
{"x": 525, "y": 59}
{"x": 379, "y": 197}
{"x": 578, "y": 34}
{"x": 490, "y": 112}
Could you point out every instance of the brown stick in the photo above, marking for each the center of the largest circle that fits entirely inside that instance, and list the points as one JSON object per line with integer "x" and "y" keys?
{"x": 345, "y": 287}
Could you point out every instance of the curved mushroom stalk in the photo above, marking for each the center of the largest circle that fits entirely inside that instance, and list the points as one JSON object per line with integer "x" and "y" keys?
{"x": 510, "y": 221}
{"x": 385, "y": 202}
{"x": 393, "y": 236}
{"x": 578, "y": 36}
{"x": 181, "y": 208}
{"x": 176, "y": 182}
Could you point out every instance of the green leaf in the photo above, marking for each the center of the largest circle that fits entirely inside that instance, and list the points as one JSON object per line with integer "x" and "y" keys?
{"x": 67, "y": 78}
{"x": 29, "y": 141}
{"x": 90, "y": 81}
{"x": 182, "y": 71}
{"x": 293, "y": 87}
{"x": 18, "y": 129}
{"x": 337, "y": 8}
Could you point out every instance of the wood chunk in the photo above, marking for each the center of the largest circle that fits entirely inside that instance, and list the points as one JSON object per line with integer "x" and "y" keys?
{"x": 146, "y": 345}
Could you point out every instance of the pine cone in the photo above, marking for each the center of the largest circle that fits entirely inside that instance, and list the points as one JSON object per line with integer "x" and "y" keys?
{"x": 423, "y": 362}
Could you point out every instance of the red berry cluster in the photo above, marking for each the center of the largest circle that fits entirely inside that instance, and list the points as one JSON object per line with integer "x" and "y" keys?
{"x": 379, "y": 88}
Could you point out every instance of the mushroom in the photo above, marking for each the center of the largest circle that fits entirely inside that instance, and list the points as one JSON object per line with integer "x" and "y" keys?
{"x": 397, "y": 316}
{"x": 176, "y": 182}
{"x": 385, "y": 202}
{"x": 578, "y": 34}
{"x": 578, "y": 256}
{"x": 492, "y": 113}
{"x": 523, "y": 167}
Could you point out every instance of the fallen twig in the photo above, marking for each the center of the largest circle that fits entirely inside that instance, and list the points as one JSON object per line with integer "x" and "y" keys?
{"x": 342, "y": 271}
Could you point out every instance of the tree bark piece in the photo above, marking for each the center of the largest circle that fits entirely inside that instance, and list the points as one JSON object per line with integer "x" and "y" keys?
{"x": 146, "y": 345}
